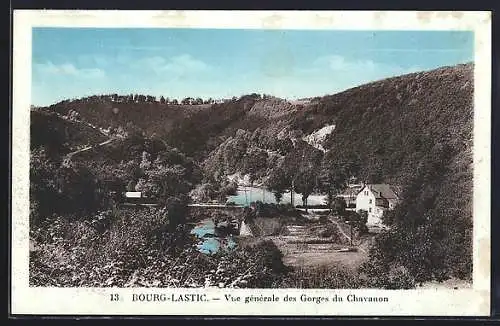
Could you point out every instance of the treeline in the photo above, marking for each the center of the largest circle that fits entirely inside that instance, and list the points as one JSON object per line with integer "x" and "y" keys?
{"x": 391, "y": 124}
{"x": 195, "y": 130}
{"x": 141, "y": 98}
{"x": 150, "y": 118}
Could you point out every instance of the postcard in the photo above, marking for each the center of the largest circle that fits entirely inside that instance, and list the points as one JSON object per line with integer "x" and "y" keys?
{"x": 251, "y": 163}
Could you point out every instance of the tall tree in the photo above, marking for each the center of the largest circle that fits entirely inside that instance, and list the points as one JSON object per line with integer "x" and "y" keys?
{"x": 277, "y": 182}
{"x": 255, "y": 163}
{"x": 336, "y": 170}
{"x": 305, "y": 182}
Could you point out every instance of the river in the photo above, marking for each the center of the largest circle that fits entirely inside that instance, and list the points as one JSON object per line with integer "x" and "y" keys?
{"x": 246, "y": 195}
{"x": 210, "y": 241}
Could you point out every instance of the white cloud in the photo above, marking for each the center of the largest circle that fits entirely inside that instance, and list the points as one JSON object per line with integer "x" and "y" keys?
{"x": 69, "y": 69}
{"x": 180, "y": 65}
{"x": 364, "y": 67}
{"x": 340, "y": 63}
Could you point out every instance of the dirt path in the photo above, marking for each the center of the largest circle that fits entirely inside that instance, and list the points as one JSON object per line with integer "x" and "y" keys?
{"x": 341, "y": 230}
{"x": 360, "y": 246}
{"x": 70, "y": 155}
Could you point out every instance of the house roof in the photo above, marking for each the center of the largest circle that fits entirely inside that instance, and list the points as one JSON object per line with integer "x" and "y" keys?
{"x": 383, "y": 190}
{"x": 350, "y": 192}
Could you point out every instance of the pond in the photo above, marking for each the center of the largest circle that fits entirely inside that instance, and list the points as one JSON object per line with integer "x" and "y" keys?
{"x": 210, "y": 241}
{"x": 246, "y": 195}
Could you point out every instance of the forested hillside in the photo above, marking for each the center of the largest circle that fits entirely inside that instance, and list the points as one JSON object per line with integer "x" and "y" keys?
{"x": 151, "y": 116}
{"x": 413, "y": 131}
{"x": 75, "y": 168}
{"x": 59, "y": 135}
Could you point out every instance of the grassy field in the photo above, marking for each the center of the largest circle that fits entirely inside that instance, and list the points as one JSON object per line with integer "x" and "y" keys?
{"x": 316, "y": 244}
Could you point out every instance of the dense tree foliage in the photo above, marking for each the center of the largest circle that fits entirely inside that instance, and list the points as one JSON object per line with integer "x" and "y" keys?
{"x": 81, "y": 184}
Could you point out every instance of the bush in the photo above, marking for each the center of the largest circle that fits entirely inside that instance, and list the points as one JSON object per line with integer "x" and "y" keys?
{"x": 387, "y": 276}
{"x": 273, "y": 210}
{"x": 269, "y": 226}
{"x": 129, "y": 254}
{"x": 323, "y": 277}
{"x": 331, "y": 231}
{"x": 91, "y": 254}
{"x": 339, "y": 206}
{"x": 176, "y": 211}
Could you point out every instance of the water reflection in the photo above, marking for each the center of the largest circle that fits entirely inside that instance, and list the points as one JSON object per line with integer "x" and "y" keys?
{"x": 246, "y": 195}
{"x": 210, "y": 239}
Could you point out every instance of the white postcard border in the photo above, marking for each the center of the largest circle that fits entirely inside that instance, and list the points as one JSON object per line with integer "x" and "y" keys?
{"x": 26, "y": 300}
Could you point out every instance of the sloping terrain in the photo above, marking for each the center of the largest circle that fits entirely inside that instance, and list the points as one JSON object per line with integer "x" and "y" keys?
{"x": 61, "y": 135}
{"x": 150, "y": 117}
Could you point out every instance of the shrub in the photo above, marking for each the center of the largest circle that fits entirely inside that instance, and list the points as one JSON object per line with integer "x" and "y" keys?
{"x": 331, "y": 231}
{"x": 322, "y": 277}
{"x": 176, "y": 211}
{"x": 269, "y": 226}
{"x": 387, "y": 276}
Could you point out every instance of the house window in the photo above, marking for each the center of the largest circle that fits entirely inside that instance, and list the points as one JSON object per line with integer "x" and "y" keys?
{"x": 366, "y": 192}
{"x": 370, "y": 209}
{"x": 370, "y": 201}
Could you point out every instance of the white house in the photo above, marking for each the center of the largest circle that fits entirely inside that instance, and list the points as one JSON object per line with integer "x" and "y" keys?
{"x": 376, "y": 199}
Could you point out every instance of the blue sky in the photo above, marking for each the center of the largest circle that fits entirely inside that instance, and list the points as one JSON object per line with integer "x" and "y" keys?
{"x": 220, "y": 63}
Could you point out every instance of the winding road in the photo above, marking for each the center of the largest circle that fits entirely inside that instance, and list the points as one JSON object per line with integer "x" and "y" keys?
{"x": 87, "y": 148}
{"x": 90, "y": 147}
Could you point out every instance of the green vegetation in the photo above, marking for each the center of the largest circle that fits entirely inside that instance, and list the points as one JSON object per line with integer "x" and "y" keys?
{"x": 413, "y": 131}
{"x": 132, "y": 248}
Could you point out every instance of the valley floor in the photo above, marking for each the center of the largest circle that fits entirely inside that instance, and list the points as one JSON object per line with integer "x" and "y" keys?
{"x": 316, "y": 247}
{"x": 304, "y": 246}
